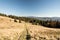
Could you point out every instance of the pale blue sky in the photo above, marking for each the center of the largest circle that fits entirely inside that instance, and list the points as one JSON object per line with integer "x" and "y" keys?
{"x": 41, "y": 8}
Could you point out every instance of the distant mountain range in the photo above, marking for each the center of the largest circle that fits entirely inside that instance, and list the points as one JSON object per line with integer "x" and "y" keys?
{"x": 47, "y": 18}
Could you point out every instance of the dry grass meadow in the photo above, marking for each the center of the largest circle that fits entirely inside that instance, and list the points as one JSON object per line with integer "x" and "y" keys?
{"x": 10, "y": 30}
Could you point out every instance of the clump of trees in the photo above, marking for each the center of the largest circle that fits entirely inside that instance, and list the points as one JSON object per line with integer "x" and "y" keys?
{"x": 2, "y": 14}
{"x": 48, "y": 23}
{"x": 13, "y": 17}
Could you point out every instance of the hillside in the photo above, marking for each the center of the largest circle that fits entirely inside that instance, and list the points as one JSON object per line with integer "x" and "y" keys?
{"x": 10, "y": 30}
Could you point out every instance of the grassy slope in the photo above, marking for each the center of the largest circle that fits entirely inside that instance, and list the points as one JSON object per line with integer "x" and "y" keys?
{"x": 42, "y": 33}
{"x": 10, "y": 30}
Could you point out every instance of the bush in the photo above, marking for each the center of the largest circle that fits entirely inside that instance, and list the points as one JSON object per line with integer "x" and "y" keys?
{"x": 15, "y": 20}
{"x": 19, "y": 21}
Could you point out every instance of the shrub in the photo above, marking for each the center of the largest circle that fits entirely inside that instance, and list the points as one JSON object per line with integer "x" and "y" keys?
{"x": 15, "y": 20}
{"x": 19, "y": 21}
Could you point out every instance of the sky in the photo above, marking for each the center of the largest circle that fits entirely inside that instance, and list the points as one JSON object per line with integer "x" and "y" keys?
{"x": 38, "y": 8}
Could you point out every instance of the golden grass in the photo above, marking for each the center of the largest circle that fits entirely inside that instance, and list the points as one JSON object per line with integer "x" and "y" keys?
{"x": 43, "y": 33}
{"x": 10, "y": 30}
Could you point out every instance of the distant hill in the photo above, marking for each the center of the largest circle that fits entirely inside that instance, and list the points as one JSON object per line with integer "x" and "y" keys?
{"x": 47, "y": 18}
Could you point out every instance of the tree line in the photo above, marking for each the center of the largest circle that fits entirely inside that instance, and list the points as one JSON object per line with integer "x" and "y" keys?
{"x": 48, "y": 23}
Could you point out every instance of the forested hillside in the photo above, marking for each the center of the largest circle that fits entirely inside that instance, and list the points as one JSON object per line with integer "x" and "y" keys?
{"x": 34, "y": 21}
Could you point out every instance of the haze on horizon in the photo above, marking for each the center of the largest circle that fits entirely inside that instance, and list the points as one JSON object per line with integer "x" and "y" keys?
{"x": 40, "y": 8}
